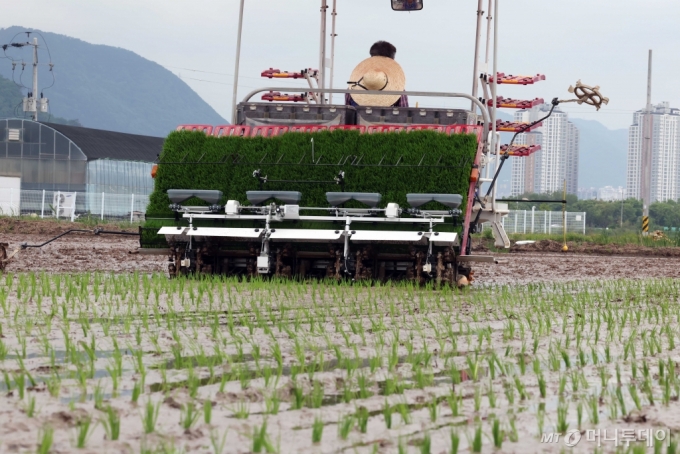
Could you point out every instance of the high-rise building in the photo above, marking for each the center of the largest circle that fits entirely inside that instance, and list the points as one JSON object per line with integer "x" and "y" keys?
{"x": 546, "y": 170}
{"x": 609, "y": 193}
{"x": 665, "y": 182}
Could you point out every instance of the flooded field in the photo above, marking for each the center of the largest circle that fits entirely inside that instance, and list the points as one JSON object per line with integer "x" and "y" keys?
{"x": 139, "y": 363}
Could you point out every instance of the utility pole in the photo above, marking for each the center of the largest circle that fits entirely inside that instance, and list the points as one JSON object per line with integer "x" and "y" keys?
{"x": 34, "y": 103}
{"x": 621, "y": 191}
{"x": 646, "y": 152}
{"x": 31, "y": 102}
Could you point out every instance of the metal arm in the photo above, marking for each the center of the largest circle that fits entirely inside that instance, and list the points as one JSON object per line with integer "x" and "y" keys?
{"x": 505, "y": 156}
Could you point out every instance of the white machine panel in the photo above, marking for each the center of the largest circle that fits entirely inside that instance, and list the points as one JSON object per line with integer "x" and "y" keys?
{"x": 226, "y": 232}
{"x": 305, "y": 235}
{"x": 172, "y": 230}
{"x": 444, "y": 239}
{"x": 379, "y": 236}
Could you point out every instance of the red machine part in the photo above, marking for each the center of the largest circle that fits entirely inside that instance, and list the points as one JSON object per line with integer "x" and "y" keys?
{"x": 465, "y": 129}
{"x": 437, "y": 128}
{"x": 509, "y": 103}
{"x": 278, "y": 74}
{"x": 516, "y": 80}
{"x": 231, "y": 130}
{"x": 385, "y": 128}
{"x": 277, "y": 96}
{"x": 360, "y": 128}
{"x": 277, "y": 130}
{"x": 512, "y": 126}
{"x": 268, "y": 131}
{"x": 307, "y": 128}
{"x": 520, "y": 150}
{"x": 203, "y": 128}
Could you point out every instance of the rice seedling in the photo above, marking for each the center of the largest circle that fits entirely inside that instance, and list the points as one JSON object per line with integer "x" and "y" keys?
{"x": 362, "y": 419}
{"x": 150, "y": 416}
{"x": 562, "y": 422}
{"x": 83, "y": 431}
{"x": 476, "y": 443}
{"x": 261, "y": 441}
{"x": 317, "y": 430}
{"x": 593, "y": 410}
{"x": 188, "y": 416}
{"x": 29, "y": 406}
{"x": 404, "y": 412}
{"x": 207, "y": 411}
{"x": 98, "y": 395}
{"x": 497, "y": 433}
{"x": 433, "y": 409}
{"x": 478, "y": 399}
{"x": 455, "y": 442}
{"x": 111, "y": 424}
{"x": 20, "y": 383}
{"x": 241, "y": 410}
{"x": 216, "y": 442}
{"x": 136, "y": 392}
{"x": 426, "y": 444}
{"x": 45, "y": 439}
{"x": 345, "y": 426}
{"x": 540, "y": 419}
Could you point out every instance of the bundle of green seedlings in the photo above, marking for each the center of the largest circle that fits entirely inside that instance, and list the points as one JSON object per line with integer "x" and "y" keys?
{"x": 432, "y": 370}
{"x": 392, "y": 164}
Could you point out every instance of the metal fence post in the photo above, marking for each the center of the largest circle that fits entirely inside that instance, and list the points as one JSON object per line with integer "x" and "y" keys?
{"x": 549, "y": 222}
{"x": 42, "y": 206}
{"x": 102, "y": 215}
{"x": 73, "y": 209}
{"x": 584, "y": 222}
{"x": 525, "y": 221}
{"x": 11, "y": 198}
{"x": 58, "y": 200}
{"x": 132, "y": 206}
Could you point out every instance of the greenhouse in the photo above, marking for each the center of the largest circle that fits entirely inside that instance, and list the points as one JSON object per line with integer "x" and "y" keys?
{"x": 46, "y": 164}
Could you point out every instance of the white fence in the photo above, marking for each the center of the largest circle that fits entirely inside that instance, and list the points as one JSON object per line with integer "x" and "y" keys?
{"x": 532, "y": 221}
{"x": 131, "y": 207}
{"x": 72, "y": 205}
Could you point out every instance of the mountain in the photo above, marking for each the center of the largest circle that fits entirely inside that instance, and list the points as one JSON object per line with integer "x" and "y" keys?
{"x": 106, "y": 87}
{"x": 603, "y": 154}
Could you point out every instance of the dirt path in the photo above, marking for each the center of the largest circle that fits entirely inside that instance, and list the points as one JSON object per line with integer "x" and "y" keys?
{"x": 80, "y": 252}
{"x": 545, "y": 267}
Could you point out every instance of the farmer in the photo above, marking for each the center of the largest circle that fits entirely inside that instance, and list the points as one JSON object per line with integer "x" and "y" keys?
{"x": 380, "y": 72}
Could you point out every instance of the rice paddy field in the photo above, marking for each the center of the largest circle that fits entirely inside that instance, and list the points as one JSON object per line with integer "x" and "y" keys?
{"x": 138, "y": 363}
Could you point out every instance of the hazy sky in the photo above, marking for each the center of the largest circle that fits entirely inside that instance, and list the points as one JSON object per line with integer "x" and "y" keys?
{"x": 603, "y": 42}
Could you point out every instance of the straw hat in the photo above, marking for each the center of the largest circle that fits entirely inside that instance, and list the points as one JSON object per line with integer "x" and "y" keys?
{"x": 377, "y": 73}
